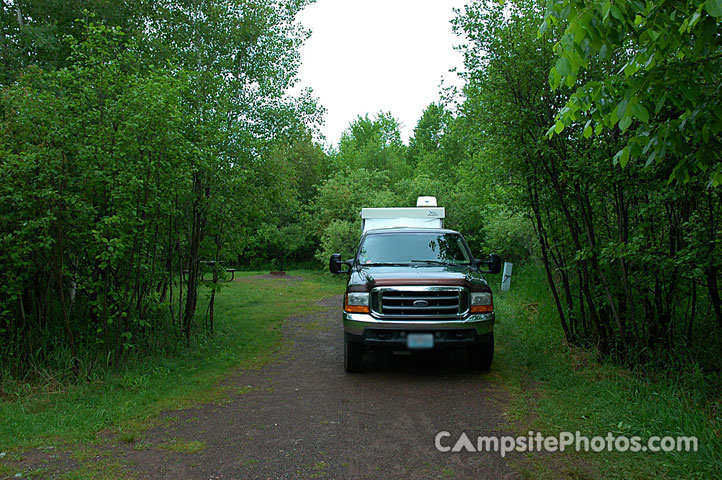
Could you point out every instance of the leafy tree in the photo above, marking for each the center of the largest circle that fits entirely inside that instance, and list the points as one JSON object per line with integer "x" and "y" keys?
{"x": 34, "y": 31}
{"x": 335, "y": 212}
{"x": 615, "y": 269}
{"x": 279, "y": 230}
{"x": 429, "y": 132}
{"x": 408, "y": 190}
{"x": 279, "y": 243}
{"x": 340, "y": 236}
{"x": 93, "y": 181}
{"x": 661, "y": 84}
{"x": 432, "y": 149}
{"x": 373, "y": 144}
{"x": 126, "y": 160}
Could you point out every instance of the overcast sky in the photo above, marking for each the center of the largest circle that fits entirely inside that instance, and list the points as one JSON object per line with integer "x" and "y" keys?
{"x": 370, "y": 55}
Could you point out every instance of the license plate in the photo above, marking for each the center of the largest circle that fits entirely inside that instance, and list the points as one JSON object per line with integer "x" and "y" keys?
{"x": 420, "y": 340}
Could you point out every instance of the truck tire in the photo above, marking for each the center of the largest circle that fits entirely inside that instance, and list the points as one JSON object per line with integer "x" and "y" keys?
{"x": 353, "y": 354}
{"x": 482, "y": 355}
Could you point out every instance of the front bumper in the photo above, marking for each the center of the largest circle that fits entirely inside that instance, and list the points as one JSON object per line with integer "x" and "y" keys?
{"x": 373, "y": 332}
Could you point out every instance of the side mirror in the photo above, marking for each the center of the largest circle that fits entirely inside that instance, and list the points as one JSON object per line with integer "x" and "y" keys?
{"x": 494, "y": 263}
{"x": 334, "y": 265}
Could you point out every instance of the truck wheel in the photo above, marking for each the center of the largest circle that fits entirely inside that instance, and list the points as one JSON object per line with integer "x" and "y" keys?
{"x": 353, "y": 354}
{"x": 482, "y": 355}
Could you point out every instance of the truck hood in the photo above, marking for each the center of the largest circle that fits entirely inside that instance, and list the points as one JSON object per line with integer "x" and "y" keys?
{"x": 366, "y": 278}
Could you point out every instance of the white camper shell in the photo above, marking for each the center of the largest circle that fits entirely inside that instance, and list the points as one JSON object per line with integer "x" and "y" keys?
{"x": 426, "y": 215}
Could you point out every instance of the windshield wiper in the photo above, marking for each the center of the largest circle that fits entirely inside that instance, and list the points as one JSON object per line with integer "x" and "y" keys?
{"x": 385, "y": 264}
{"x": 434, "y": 262}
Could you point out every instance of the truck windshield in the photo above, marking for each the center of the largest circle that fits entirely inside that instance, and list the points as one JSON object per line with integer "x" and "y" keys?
{"x": 409, "y": 248}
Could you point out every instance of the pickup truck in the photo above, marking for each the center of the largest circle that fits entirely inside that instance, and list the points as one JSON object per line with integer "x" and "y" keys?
{"x": 414, "y": 289}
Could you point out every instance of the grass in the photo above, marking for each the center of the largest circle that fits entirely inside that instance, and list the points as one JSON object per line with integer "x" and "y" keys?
{"x": 249, "y": 315}
{"x": 103, "y": 469}
{"x": 183, "y": 446}
{"x": 554, "y": 389}
{"x": 551, "y": 387}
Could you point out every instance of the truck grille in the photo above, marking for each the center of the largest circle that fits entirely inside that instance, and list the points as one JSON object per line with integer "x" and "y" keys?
{"x": 419, "y": 302}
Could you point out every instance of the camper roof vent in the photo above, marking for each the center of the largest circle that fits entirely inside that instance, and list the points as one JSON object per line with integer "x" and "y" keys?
{"x": 426, "y": 202}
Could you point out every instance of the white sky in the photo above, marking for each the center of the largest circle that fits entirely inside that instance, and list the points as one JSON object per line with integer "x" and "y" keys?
{"x": 366, "y": 56}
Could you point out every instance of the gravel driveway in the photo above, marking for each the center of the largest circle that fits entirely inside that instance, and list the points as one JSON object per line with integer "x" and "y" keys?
{"x": 303, "y": 417}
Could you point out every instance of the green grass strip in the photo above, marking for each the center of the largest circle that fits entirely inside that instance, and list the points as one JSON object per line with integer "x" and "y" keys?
{"x": 248, "y": 318}
{"x": 554, "y": 388}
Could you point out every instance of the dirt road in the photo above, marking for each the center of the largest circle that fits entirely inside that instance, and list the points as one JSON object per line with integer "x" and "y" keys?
{"x": 303, "y": 417}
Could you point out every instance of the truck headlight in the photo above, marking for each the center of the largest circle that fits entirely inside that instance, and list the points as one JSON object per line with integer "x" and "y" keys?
{"x": 357, "y": 302}
{"x": 481, "y": 302}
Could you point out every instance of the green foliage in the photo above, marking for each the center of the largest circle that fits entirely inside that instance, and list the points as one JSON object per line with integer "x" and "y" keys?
{"x": 35, "y": 31}
{"x": 279, "y": 243}
{"x": 574, "y": 391}
{"x": 431, "y": 149}
{"x": 437, "y": 163}
{"x": 139, "y": 144}
{"x": 335, "y": 211}
{"x": 342, "y": 196}
{"x": 169, "y": 377}
{"x": 91, "y": 178}
{"x": 658, "y": 81}
{"x": 623, "y": 251}
{"x": 125, "y": 164}
{"x": 340, "y": 236}
{"x": 410, "y": 189}
{"x": 374, "y": 145}
{"x": 510, "y": 235}
{"x": 276, "y": 227}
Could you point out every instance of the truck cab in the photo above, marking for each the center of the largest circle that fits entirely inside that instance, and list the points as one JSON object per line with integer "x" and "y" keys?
{"x": 416, "y": 288}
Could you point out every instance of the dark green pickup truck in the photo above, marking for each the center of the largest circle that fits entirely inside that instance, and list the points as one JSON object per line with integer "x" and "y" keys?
{"x": 417, "y": 289}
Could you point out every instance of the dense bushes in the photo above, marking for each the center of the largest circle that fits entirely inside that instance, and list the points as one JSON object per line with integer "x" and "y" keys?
{"x": 90, "y": 154}
{"x": 129, "y": 165}
{"x": 632, "y": 259}
{"x": 131, "y": 160}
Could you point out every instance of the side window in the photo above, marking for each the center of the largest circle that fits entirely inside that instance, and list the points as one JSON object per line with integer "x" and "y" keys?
{"x": 363, "y": 256}
{"x": 462, "y": 255}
